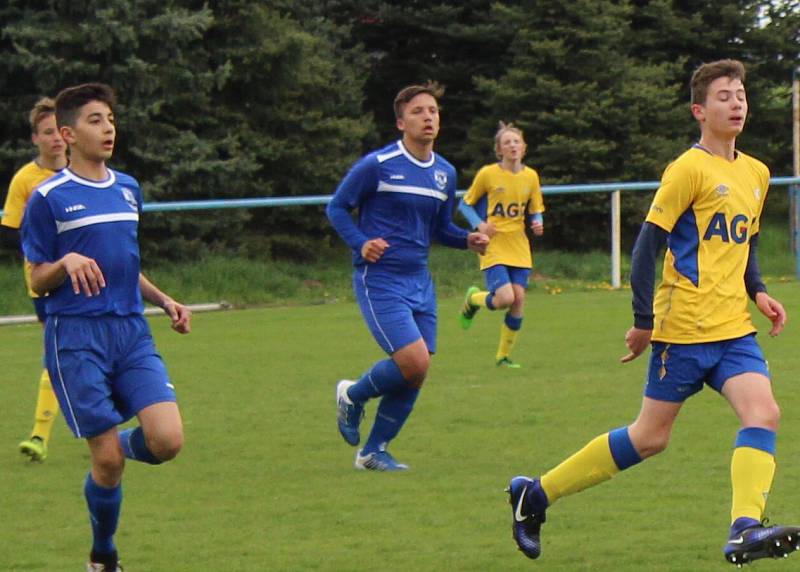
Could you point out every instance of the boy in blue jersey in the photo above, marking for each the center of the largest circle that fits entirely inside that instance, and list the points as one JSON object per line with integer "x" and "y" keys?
{"x": 80, "y": 235}
{"x": 707, "y": 212}
{"x": 404, "y": 194}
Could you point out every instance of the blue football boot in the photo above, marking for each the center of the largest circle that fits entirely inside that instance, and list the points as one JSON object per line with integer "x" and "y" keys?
{"x": 526, "y": 523}
{"x": 759, "y": 541}
{"x": 349, "y": 414}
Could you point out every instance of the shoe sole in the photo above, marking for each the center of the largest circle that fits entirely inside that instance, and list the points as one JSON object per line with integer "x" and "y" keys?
{"x": 777, "y": 547}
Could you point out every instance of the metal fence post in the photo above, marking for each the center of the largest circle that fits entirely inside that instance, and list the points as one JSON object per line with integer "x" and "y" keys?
{"x": 616, "y": 280}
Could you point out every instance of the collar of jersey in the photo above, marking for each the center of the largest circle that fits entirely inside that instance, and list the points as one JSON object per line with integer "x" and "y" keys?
{"x": 707, "y": 150}
{"x": 413, "y": 159}
{"x": 88, "y": 182}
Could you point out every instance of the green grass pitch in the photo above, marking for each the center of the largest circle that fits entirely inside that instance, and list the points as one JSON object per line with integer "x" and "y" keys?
{"x": 266, "y": 483}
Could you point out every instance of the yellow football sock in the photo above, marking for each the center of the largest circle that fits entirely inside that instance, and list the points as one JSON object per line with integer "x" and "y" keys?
{"x": 478, "y": 299}
{"x": 591, "y": 465}
{"x": 508, "y": 338}
{"x": 752, "y": 471}
{"x": 46, "y": 408}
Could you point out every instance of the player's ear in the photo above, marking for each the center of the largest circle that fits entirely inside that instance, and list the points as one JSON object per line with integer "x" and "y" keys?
{"x": 67, "y": 134}
{"x": 698, "y": 112}
{"x": 401, "y": 126}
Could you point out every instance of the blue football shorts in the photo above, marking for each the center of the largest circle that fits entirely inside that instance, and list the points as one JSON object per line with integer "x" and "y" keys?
{"x": 398, "y": 308}
{"x": 500, "y": 275}
{"x": 678, "y": 371}
{"x": 104, "y": 370}
{"x": 39, "y": 307}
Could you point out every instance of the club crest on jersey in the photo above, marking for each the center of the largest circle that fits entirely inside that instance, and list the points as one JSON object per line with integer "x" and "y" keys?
{"x": 722, "y": 190}
{"x": 441, "y": 179}
{"x": 127, "y": 194}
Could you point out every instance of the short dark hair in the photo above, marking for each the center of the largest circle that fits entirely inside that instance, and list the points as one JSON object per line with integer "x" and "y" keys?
{"x": 410, "y": 92}
{"x": 70, "y": 100}
{"x": 41, "y": 109}
{"x": 706, "y": 73}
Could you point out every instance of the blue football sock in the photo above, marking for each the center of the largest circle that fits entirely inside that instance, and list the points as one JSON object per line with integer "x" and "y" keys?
{"x": 513, "y": 322}
{"x": 384, "y": 377}
{"x": 392, "y": 413}
{"x": 104, "y": 506}
{"x": 490, "y": 301}
{"x": 134, "y": 446}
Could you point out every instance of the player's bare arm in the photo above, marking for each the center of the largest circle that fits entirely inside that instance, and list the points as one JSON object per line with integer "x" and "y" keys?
{"x": 373, "y": 249}
{"x": 180, "y": 315}
{"x": 637, "y": 341}
{"x": 477, "y": 242}
{"x": 83, "y": 272}
{"x": 537, "y": 227}
{"x": 773, "y": 310}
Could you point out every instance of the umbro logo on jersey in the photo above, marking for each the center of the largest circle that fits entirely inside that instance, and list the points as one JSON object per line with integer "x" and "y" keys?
{"x": 722, "y": 190}
{"x": 75, "y": 208}
{"x": 397, "y": 177}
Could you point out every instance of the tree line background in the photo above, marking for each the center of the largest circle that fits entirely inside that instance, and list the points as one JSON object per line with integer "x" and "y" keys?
{"x": 236, "y": 98}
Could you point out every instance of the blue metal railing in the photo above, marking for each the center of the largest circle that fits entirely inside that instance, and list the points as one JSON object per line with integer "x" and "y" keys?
{"x": 793, "y": 184}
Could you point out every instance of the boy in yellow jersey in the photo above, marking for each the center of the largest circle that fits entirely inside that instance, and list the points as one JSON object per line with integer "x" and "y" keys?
{"x": 504, "y": 197}
{"x": 51, "y": 158}
{"x": 707, "y": 213}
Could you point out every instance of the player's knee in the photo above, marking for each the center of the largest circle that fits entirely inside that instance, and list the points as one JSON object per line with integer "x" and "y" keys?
{"x": 770, "y": 416}
{"x": 108, "y": 467}
{"x": 166, "y": 445}
{"x": 653, "y": 444}
{"x": 502, "y": 299}
{"x": 417, "y": 370}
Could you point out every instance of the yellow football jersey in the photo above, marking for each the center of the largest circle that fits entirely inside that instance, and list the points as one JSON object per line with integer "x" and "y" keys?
{"x": 507, "y": 198}
{"x": 711, "y": 207}
{"x": 19, "y": 191}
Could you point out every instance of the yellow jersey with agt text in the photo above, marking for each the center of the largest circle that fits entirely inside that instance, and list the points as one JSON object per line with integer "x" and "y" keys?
{"x": 19, "y": 191}
{"x": 711, "y": 208}
{"x": 504, "y": 199}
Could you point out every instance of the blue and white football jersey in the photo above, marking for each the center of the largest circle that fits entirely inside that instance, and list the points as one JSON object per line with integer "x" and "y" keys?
{"x": 401, "y": 199}
{"x": 98, "y": 219}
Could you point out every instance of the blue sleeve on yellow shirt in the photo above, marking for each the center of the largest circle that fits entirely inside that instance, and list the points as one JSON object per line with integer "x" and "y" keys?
{"x": 752, "y": 274}
{"x": 649, "y": 243}
{"x": 469, "y": 212}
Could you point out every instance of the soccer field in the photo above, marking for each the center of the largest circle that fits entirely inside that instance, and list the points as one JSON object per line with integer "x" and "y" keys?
{"x": 265, "y": 482}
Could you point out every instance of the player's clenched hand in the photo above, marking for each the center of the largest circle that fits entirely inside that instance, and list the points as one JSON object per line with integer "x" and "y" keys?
{"x": 637, "y": 341}
{"x": 373, "y": 249}
{"x": 773, "y": 310}
{"x": 180, "y": 315}
{"x": 537, "y": 227}
{"x": 84, "y": 273}
{"x": 477, "y": 241}
{"x": 487, "y": 228}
